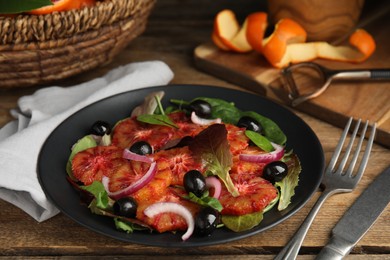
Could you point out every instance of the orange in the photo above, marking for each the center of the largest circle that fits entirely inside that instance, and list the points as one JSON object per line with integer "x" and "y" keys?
{"x": 62, "y": 5}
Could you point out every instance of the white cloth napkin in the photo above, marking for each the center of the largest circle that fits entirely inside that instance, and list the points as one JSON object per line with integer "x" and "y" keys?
{"x": 39, "y": 114}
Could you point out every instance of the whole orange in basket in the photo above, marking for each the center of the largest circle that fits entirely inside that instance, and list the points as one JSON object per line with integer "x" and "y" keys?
{"x": 62, "y": 5}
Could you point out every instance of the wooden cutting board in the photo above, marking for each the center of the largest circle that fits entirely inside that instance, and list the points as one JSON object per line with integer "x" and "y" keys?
{"x": 368, "y": 100}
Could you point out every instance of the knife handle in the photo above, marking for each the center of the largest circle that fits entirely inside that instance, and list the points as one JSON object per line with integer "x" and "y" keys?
{"x": 336, "y": 249}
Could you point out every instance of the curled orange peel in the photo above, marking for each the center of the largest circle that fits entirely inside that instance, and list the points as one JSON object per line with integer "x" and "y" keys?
{"x": 228, "y": 34}
{"x": 256, "y": 27}
{"x": 286, "y": 32}
{"x": 287, "y": 44}
{"x": 362, "y": 47}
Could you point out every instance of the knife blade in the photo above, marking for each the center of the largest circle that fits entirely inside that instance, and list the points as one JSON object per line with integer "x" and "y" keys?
{"x": 358, "y": 218}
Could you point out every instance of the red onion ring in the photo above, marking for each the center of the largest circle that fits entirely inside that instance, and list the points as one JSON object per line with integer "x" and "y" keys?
{"x": 129, "y": 155}
{"x": 202, "y": 121}
{"x": 139, "y": 184}
{"x": 164, "y": 207}
{"x": 275, "y": 155}
{"x": 214, "y": 182}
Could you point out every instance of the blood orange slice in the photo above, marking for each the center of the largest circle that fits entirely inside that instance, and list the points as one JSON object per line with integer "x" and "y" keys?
{"x": 255, "y": 194}
{"x": 94, "y": 163}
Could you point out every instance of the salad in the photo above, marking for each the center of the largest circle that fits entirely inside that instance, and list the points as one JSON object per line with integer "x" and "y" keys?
{"x": 194, "y": 166}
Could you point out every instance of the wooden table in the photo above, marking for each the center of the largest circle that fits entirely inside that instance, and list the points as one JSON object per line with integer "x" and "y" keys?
{"x": 174, "y": 30}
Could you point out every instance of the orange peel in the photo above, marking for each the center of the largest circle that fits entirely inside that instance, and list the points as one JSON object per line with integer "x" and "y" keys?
{"x": 228, "y": 34}
{"x": 256, "y": 27}
{"x": 62, "y": 5}
{"x": 287, "y": 44}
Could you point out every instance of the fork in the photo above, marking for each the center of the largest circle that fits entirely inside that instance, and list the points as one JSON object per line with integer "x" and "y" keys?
{"x": 335, "y": 180}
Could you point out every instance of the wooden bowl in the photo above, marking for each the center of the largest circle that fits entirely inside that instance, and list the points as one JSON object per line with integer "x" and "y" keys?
{"x": 324, "y": 20}
{"x": 39, "y": 49}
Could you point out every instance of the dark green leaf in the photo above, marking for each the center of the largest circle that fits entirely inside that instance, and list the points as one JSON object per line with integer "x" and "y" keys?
{"x": 19, "y": 6}
{"x": 205, "y": 200}
{"x": 271, "y": 129}
{"x": 259, "y": 140}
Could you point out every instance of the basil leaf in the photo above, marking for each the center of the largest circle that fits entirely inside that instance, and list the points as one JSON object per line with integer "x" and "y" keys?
{"x": 271, "y": 129}
{"x": 19, "y": 6}
{"x": 205, "y": 200}
{"x": 156, "y": 120}
{"x": 259, "y": 140}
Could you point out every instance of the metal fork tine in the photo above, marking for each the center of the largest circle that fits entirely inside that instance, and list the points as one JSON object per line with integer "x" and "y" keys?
{"x": 357, "y": 152}
{"x": 339, "y": 147}
{"x": 349, "y": 148}
{"x": 367, "y": 153}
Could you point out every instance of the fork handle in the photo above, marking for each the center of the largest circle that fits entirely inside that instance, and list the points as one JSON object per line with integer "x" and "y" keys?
{"x": 291, "y": 250}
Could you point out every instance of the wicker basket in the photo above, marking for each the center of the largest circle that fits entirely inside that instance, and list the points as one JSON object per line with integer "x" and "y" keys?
{"x": 41, "y": 49}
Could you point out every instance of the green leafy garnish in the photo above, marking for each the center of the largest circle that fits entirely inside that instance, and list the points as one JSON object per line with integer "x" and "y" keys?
{"x": 259, "y": 140}
{"x": 156, "y": 120}
{"x": 231, "y": 114}
{"x": 205, "y": 200}
{"x": 243, "y": 222}
{"x": 100, "y": 194}
{"x": 288, "y": 184}
{"x": 20, "y": 6}
{"x": 211, "y": 145}
{"x": 158, "y": 117}
{"x": 81, "y": 145}
{"x": 271, "y": 129}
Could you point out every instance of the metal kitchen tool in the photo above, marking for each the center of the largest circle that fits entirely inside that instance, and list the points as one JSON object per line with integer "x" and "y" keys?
{"x": 308, "y": 80}
{"x": 339, "y": 177}
{"x": 358, "y": 219}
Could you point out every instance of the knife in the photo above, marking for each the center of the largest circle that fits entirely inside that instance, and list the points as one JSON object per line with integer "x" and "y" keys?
{"x": 358, "y": 219}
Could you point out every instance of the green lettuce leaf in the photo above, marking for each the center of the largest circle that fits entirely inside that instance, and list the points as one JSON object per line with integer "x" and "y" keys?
{"x": 289, "y": 183}
{"x": 19, "y": 6}
{"x": 211, "y": 145}
{"x": 97, "y": 190}
{"x": 242, "y": 223}
{"x": 81, "y": 145}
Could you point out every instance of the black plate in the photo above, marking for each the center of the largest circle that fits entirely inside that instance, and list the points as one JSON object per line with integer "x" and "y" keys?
{"x": 55, "y": 152}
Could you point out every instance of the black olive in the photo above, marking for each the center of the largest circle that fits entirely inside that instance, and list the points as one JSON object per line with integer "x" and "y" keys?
{"x": 250, "y": 124}
{"x": 275, "y": 171}
{"x": 206, "y": 221}
{"x": 100, "y": 128}
{"x": 126, "y": 207}
{"x": 141, "y": 148}
{"x": 194, "y": 182}
{"x": 201, "y": 108}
